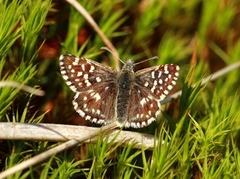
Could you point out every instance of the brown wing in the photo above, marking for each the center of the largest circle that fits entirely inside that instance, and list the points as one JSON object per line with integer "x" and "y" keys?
{"x": 151, "y": 86}
{"x": 94, "y": 85}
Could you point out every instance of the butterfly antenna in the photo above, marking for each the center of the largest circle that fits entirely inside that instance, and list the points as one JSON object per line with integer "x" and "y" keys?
{"x": 152, "y": 58}
{"x": 107, "y": 49}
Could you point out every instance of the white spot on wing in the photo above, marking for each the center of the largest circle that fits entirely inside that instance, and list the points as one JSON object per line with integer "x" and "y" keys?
{"x": 80, "y": 73}
{"x": 153, "y": 88}
{"x": 97, "y": 96}
{"x": 166, "y": 92}
{"x": 61, "y": 57}
{"x": 174, "y": 82}
{"x": 87, "y": 83}
{"x": 162, "y": 97}
{"x": 98, "y": 79}
{"x": 65, "y": 77}
{"x": 63, "y": 72}
{"x": 77, "y": 59}
{"x": 160, "y": 81}
{"x": 85, "y": 76}
{"x": 153, "y": 74}
{"x": 81, "y": 113}
{"x": 76, "y": 95}
{"x": 143, "y": 101}
{"x": 83, "y": 67}
{"x": 159, "y": 74}
{"x": 98, "y": 112}
{"x": 94, "y": 119}
{"x": 92, "y": 68}
{"x": 138, "y": 125}
{"x": 166, "y": 69}
{"x": 100, "y": 121}
{"x": 127, "y": 124}
{"x": 169, "y": 87}
{"x": 68, "y": 83}
{"x": 144, "y": 124}
{"x": 151, "y": 120}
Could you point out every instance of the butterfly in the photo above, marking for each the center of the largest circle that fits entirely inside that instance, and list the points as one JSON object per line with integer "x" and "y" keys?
{"x": 104, "y": 95}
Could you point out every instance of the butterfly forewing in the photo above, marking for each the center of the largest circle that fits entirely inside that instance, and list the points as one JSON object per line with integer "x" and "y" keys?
{"x": 94, "y": 85}
{"x": 82, "y": 74}
{"x": 159, "y": 80}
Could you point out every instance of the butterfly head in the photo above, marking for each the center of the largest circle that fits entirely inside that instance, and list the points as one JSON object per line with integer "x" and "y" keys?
{"x": 129, "y": 66}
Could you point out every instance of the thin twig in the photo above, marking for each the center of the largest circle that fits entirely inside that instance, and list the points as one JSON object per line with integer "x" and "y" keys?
{"x": 211, "y": 77}
{"x": 38, "y": 158}
{"x": 23, "y": 87}
{"x": 94, "y": 25}
{"x": 63, "y": 133}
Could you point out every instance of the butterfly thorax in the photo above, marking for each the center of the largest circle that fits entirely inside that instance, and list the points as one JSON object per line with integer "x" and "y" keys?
{"x": 125, "y": 80}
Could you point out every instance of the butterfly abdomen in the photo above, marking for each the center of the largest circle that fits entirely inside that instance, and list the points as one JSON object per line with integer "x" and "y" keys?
{"x": 125, "y": 82}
